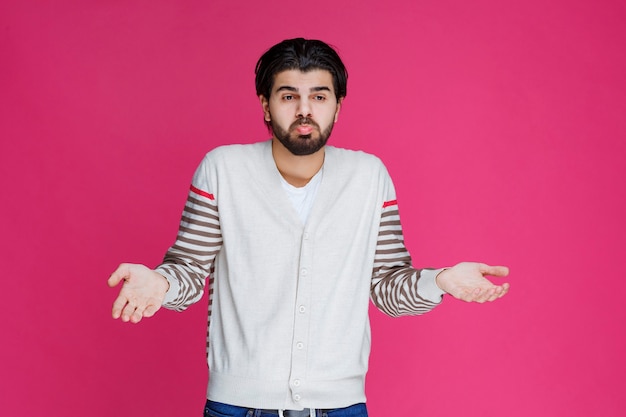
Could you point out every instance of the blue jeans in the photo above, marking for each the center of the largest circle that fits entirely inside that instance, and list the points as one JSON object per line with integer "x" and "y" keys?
{"x": 215, "y": 409}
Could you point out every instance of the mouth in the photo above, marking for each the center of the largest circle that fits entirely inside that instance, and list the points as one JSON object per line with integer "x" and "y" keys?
{"x": 304, "y": 129}
{"x": 304, "y": 126}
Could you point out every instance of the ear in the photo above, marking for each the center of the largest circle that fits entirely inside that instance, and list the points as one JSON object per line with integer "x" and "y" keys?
{"x": 265, "y": 105}
{"x": 339, "y": 103}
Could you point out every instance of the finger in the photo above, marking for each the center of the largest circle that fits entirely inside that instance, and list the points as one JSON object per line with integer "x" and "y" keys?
{"x": 470, "y": 295}
{"x": 505, "y": 289}
{"x": 150, "y": 310}
{"x": 480, "y": 296}
{"x": 497, "y": 293}
{"x": 118, "y": 306}
{"x": 486, "y": 295}
{"x": 500, "y": 292}
{"x": 128, "y": 311}
{"x": 129, "y": 308}
{"x": 121, "y": 273}
{"x": 491, "y": 295}
{"x": 137, "y": 315}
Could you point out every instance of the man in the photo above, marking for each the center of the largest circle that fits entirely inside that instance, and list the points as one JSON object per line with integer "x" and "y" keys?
{"x": 295, "y": 237}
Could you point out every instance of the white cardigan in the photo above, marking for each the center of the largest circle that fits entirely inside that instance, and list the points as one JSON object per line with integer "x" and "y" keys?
{"x": 288, "y": 316}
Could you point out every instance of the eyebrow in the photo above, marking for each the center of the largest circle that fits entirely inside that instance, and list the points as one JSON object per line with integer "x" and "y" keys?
{"x": 295, "y": 90}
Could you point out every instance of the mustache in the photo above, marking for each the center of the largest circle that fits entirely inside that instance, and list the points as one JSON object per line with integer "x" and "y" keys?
{"x": 304, "y": 121}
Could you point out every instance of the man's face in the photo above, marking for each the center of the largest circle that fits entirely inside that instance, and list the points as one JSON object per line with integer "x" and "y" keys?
{"x": 302, "y": 109}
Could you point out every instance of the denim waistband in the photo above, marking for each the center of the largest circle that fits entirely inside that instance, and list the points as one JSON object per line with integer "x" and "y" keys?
{"x": 307, "y": 412}
{"x": 216, "y": 409}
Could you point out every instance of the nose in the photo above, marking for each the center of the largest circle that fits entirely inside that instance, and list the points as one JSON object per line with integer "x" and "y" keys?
{"x": 304, "y": 109}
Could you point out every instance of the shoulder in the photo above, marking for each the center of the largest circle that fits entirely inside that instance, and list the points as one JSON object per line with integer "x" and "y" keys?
{"x": 355, "y": 160}
{"x": 353, "y": 155}
{"x": 237, "y": 151}
{"x": 238, "y": 155}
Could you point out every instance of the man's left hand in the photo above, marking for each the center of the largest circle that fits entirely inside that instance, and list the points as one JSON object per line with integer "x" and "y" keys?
{"x": 466, "y": 281}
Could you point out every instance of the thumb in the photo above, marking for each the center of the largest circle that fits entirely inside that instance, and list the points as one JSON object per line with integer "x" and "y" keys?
{"x": 494, "y": 271}
{"x": 121, "y": 273}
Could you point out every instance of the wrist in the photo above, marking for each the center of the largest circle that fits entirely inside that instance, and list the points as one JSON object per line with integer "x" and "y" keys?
{"x": 163, "y": 281}
{"x": 440, "y": 278}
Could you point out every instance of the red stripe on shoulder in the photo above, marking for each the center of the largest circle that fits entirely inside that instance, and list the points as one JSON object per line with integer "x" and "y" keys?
{"x": 201, "y": 192}
{"x": 390, "y": 203}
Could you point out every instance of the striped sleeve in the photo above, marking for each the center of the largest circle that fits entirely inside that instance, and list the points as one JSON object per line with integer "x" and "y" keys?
{"x": 190, "y": 260}
{"x": 395, "y": 282}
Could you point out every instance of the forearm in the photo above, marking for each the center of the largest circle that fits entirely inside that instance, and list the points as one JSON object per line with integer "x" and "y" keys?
{"x": 186, "y": 282}
{"x": 190, "y": 260}
{"x": 398, "y": 288}
{"x": 406, "y": 291}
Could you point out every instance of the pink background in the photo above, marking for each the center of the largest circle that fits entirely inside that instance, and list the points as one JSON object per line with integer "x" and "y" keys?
{"x": 502, "y": 123}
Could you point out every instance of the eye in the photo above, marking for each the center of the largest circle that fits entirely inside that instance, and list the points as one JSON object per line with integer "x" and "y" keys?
{"x": 319, "y": 98}
{"x": 288, "y": 97}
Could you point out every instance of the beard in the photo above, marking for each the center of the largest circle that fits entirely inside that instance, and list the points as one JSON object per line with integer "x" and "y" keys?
{"x": 302, "y": 144}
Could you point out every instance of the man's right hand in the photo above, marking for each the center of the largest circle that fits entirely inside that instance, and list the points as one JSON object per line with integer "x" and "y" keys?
{"x": 142, "y": 293}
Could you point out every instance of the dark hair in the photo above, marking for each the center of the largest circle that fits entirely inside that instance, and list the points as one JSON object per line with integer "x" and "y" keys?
{"x": 304, "y": 55}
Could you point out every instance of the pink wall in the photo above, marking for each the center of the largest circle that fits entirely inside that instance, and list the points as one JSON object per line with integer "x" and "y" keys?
{"x": 502, "y": 124}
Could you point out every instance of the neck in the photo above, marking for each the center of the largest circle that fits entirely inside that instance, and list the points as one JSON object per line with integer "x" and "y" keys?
{"x": 297, "y": 170}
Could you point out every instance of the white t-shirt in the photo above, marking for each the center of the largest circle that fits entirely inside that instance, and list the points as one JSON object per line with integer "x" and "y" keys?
{"x": 303, "y": 198}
